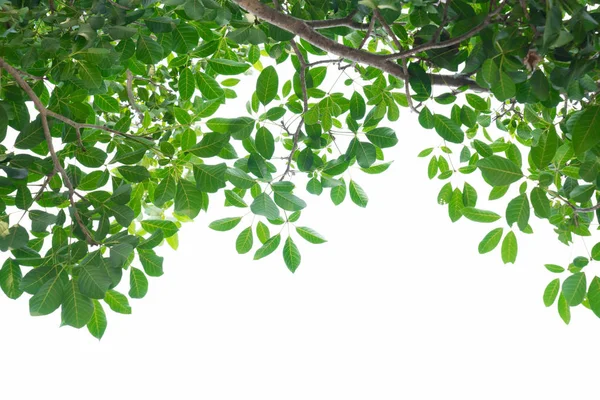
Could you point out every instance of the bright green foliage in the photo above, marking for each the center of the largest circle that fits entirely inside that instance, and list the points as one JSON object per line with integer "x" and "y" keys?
{"x": 134, "y": 137}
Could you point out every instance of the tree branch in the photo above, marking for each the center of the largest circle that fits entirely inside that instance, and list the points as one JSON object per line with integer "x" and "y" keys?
{"x": 306, "y": 32}
{"x": 431, "y": 45}
{"x": 44, "y": 112}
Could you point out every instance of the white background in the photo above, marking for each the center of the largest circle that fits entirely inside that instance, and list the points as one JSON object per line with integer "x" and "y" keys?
{"x": 398, "y": 304}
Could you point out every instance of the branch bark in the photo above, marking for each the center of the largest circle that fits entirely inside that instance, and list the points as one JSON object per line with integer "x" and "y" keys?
{"x": 301, "y": 29}
{"x": 332, "y": 23}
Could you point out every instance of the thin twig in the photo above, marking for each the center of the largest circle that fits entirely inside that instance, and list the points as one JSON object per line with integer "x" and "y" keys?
{"x": 114, "y": 3}
{"x": 431, "y": 45}
{"x": 130, "y": 97}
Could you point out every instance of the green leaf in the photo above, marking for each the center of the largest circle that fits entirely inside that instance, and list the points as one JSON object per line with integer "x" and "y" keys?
{"x": 134, "y": 173}
{"x": 168, "y": 228}
{"x": 504, "y": 87}
{"x": 208, "y": 86}
{"x": 235, "y": 199}
{"x": 227, "y": 67}
{"x": 225, "y": 224}
{"x": 194, "y": 9}
{"x": 586, "y": 131}
{"x": 490, "y": 241}
{"x": 153, "y": 264}
{"x": 543, "y": 153}
{"x": 593, "y": 295}
{"x": 148, "y": 51}
{"x": 97, "y": 324}
{"x": 358, "y": 107}
{"x": 188, "y": 199}
{"x": 426, "y": 118}
{"x": 358, "y": 195}
{"x": 382, "y": 137}
{"x": 265, "y": 206}
{"x": 498, "y": 171}
{"x": 268, "y": 247}
{"x": 310, "y": 235}
{"x": 243, "y": 243}
{"x": 557, "y": 269}
{"x": 509, "y": 248}
{"x": 265, "y": 143}
{"x": 338, "y": 194}
{"x": 239, "y": 178}
{"x": 138, "y": 284}
{"x": 77, "y": 309}
{"x": 262, "y": 232}
{"x": 49, "y": 296}
{"x": 211, "y": 145}
{"x": 117, "y": 302}
{"x": 291, "y": 255}
{"x": 477, "y": 215}
{"x": 448, "y": 129}
{"x": 210, "y": 178}
{"x": 551, "y": 292}
{"x": 91, "y": 157}
{"x": 540, "y": 202}
{"x": 267, "y": 85}
{"x": 93, "y": 279}
{"x": 106, "y": 103}
{"x": 288, "y": 201}
{"x": 377, "y": 169}
{"x": 563, "y": 309}
{"x": 573, "y": 289}
{"x": 518, "y": 211}
{"x": 186, "y": 84}
{"x": 365, "y": 154}
{"x": 455, "y": 206}
{"x": 11, "y": 278}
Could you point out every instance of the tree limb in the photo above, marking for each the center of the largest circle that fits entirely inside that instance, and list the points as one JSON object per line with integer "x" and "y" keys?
{"x": 44, "y": 112}
{"x": 306, "y": 32}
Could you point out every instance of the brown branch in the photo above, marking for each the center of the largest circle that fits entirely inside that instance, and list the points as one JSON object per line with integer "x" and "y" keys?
{"x": 306, "y": 32}
{"x": 130, "y": 97}
{"x": 431, "y": 45}
{"x": 440, "y": 28}
{"x": 44, "y": 112}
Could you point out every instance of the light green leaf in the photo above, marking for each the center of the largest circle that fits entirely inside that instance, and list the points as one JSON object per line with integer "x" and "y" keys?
{"x": 448, "y": 129}
{"x": 117, "y": 302}
{"x": 268, "y": 247}
{"x": 310, "y": 235}
{"x": 244, "y": 241}
{"x": 551, "y": 292}
{"x": 357, "y": 194}
{"x": 477, "y": 215}
{"x": 138, "y": 284}
{"x": 518, "y": 211}
{"x": 77, "y": 309}
{"x": 97, "y": 323}
{"x": 509, "y": 248}
{"x": 225, "y": 224}
{"x": 490, "y": 241}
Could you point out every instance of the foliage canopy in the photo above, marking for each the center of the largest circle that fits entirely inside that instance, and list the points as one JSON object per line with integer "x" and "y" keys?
{"x": 124, "y": 145}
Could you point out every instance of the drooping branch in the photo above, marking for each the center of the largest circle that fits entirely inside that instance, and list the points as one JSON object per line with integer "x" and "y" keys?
{"x": 301, "y": 29}
{"x": 44, "y": 112}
